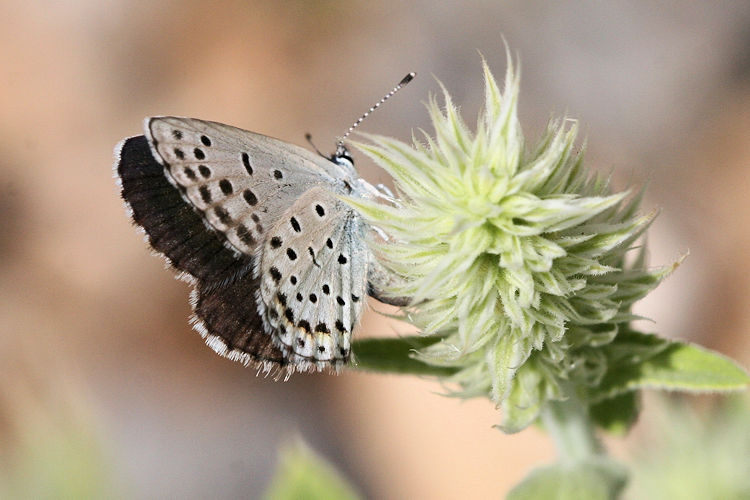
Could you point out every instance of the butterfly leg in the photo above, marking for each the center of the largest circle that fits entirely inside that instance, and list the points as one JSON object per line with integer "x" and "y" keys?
{"x": 386, "y": 194}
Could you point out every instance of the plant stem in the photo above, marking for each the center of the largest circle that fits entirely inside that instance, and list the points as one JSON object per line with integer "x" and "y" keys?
{"x": 571, "y": 428}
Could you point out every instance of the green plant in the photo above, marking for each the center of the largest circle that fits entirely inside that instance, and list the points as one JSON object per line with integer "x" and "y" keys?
{"x": 522, "y": 267}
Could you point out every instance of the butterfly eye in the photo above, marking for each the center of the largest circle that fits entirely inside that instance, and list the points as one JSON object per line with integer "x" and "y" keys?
{"x": 345, "y": 159}
{"x": 348, "y": 186}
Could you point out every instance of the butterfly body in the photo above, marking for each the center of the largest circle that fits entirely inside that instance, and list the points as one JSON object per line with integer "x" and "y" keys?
{"x": 279, "y": 262}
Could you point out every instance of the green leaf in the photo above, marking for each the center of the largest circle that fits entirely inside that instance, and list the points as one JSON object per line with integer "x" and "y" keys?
{"x": 600, "y": 479}
{"x": 394, "y": 355}
{"x": 303, "y": 474}
{"x": 639, "y": 361}
{"x": 617, "y": 414}
{"x": 685, "y": 454}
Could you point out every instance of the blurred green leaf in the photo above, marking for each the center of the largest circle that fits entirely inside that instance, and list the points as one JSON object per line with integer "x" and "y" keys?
{"x": 686, "y": 454}
{"x": 394, "y": 355}
{"x": 304, "y": 475}
{"x": 56, "y": 453}
{"x": 600, "y": 479}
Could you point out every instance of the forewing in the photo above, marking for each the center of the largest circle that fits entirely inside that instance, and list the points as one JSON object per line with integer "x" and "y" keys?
{"x": 173, "y": 228}
{"x": 237, "y": 180}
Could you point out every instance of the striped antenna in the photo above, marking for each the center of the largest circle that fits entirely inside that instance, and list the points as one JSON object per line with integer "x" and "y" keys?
{"x": 340, "y": 149}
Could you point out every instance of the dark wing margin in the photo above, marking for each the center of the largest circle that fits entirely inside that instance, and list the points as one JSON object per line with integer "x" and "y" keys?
{"x": 227, "y": 318}
{"x": 173, "y": 227}
{"x": 224, "y": 303}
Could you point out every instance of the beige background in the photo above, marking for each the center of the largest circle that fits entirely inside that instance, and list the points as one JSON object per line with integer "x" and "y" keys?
{"x": 94, "y": 331}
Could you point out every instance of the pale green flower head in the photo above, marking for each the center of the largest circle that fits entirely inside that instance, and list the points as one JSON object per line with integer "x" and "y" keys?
{"x": 516, "y": 257}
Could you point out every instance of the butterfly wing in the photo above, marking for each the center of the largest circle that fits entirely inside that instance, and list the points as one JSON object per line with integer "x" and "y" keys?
{"x": 173, "y": 228}
{"x": 237, "y": 180}
{"x": 313, "y": 275}
{"x": 380, "y": 279}
{"x": 206, "y": 194}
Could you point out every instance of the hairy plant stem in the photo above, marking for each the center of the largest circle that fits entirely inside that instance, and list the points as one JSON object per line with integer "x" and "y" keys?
{"x": 572, "y": 430}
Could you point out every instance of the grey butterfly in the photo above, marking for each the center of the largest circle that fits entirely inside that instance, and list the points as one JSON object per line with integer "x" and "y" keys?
{"x": 279, "y": 263}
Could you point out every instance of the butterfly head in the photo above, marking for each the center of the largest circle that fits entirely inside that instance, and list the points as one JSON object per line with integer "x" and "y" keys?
{"x": 342, "y": 157}
{"x": 353, "y": 184}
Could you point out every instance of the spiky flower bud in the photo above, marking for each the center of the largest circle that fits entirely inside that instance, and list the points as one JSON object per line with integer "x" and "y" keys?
{"x": 516, "y": 257}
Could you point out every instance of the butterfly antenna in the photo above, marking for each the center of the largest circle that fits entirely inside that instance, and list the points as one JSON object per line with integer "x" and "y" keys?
{"x": 340, "y": 148}
{"x": 308, "y": 137}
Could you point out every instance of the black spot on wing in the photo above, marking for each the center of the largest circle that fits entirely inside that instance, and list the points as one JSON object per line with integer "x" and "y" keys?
{"x": 173, "y": 226}
{"x": 250, "y": 197}
{"x": 275, "y": 274}
{"x": 223, "y": 215}
{"x": 246, "y": 163}
{"x": 205, "y": 194}
{"x": 245, "y": 236}
{"x": 226, "y": 186}
{"x": 289, "y": 315}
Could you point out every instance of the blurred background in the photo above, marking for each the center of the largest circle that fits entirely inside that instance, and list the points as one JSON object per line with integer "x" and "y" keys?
{"x": 105, "y": 391}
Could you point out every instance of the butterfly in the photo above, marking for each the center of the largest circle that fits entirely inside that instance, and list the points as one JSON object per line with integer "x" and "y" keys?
{"x": 279, "y": 263}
